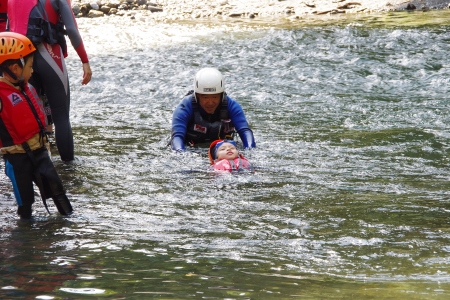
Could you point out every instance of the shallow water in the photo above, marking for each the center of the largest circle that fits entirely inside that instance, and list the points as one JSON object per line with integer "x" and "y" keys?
{"x": 350, "y": 199}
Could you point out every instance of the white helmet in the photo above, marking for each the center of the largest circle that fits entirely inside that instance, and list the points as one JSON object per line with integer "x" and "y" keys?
{"x": 209, "y": 81}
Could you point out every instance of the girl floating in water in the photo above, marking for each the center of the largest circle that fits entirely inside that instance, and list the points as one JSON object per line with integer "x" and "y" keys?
{"x": 224, "y": 156}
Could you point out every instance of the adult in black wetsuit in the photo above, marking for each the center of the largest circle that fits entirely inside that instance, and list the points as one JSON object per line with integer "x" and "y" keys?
{"x": 45, "y": 22}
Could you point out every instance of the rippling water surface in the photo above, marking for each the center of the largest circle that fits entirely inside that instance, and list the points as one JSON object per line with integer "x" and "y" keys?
{"x": 350, "y": 200}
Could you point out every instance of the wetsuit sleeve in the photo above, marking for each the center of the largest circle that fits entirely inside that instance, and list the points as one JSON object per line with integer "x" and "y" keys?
{"x": 68, "y": 18}
{"x": 180, "y": 120}
{"x": 240, "y": 123}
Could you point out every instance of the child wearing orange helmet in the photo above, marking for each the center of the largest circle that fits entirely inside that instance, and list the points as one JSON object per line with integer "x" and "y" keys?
{"x": 22, "y": 130}
{"x": 224, "y": 156}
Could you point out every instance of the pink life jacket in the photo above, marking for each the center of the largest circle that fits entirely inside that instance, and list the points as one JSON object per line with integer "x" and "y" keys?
{"x": 240, "y": 163}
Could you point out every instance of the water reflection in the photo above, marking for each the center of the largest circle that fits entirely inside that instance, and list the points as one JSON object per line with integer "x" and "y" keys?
{"x": 350, "y": 197}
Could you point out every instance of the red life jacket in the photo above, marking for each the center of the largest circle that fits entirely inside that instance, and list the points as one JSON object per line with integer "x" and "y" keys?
{"x": 3, "y": 15}
{"x": 38, "y": 20}
{"x": 20, "y": 13}
{"x": 17, "y": 121}
{"x": 3, "y": 6}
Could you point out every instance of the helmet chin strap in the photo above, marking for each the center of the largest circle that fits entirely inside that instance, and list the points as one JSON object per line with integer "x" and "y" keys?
{"x": 20, "y": 83}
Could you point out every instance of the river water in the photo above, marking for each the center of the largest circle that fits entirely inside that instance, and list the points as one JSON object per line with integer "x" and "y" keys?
{"x": 351, "y": 194}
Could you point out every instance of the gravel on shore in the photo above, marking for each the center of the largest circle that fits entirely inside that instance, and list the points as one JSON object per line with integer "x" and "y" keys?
{"x": 163, "y": 10}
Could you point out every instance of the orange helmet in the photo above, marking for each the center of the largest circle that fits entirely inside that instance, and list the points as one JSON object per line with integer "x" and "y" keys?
{"x": 212, "y": 151}
{"x": 14, "y": 46}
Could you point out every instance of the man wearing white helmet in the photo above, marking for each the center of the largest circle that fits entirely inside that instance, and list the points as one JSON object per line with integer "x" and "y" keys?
{"x": 207, "y": 113}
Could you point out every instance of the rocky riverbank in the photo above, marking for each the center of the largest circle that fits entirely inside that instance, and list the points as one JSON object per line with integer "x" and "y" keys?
{"x": 162, "y": 10}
